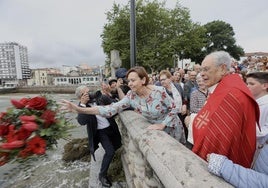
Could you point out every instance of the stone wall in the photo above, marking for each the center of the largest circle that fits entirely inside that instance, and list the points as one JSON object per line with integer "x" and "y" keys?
{"x": 152, "y": 158}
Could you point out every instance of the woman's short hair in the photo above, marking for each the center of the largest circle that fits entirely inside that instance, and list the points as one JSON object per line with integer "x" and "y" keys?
{"x": 78, "y": 90}
{"x": 141, "y": 73}
{"x": 165, "y": 72}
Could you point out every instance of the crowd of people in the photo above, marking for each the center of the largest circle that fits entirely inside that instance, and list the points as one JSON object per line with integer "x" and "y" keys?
{"x": 218, "y": 109}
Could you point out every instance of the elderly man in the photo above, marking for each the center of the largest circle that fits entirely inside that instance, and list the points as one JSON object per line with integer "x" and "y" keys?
{"x": 227, "y": 123}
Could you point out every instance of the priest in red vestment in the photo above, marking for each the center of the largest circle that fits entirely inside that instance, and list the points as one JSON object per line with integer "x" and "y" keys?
{"x": 227, "y": 123}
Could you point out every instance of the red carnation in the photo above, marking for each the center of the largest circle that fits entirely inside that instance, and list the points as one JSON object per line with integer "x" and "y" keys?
{"x": 2, "y": 114}
{"x": 30, "y": 126}
{"x": 11, "y": 136}
{"x": 12, "y": 145}
{"x": 22, "y": 125}
{"x": 24, "y": 101}
{"x": 49, "y": 117}
{"x": 37, "y": 103}
{"x": 25, "y": 153}
{"x": 3, "y": 130}
{"x": 27, "y": 118}
{"x": 23, "y": 134}
{"x": 37, "y": 145}
{"x": 17, "y": 104}
{"x": 3, "y": 158}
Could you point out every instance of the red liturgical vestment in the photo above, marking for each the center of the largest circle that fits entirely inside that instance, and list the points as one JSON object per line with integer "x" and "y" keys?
{"x": 226, "y": 125}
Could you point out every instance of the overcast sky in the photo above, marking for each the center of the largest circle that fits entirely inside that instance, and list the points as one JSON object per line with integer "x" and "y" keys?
{"x": 67, "y": 32}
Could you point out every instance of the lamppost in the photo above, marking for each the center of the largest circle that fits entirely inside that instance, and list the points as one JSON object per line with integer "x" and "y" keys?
{"x": 132, "y": 34}
{"x": 175, "y": 60}
{"x": 181, "y": 56}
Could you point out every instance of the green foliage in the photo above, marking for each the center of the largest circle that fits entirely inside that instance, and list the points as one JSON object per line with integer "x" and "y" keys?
{"x": 163, "y": 34}
{"x": 220, "y": 36}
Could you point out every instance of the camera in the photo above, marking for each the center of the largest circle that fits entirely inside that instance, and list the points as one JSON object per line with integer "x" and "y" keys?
{"x": 93, "y": 96}
{"x": 125, "y": 81}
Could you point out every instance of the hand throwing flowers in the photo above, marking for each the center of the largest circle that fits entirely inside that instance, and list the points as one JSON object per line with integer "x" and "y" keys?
{"x": 31, "y": 127}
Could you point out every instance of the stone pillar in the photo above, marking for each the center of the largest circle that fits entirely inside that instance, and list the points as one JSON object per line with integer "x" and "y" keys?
{"x": 115, "y": 62}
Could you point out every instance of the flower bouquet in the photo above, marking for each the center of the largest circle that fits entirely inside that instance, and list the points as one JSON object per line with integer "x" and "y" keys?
{"x": 30, "y": 128}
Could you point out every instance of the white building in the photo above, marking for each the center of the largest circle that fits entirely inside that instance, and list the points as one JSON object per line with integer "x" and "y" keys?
{"x": 39, "y": 77}
{"x": 14, "y": 65}
{"x": 77, "y": 80}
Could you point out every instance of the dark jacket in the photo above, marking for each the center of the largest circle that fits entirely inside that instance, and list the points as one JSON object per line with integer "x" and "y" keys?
{"x": 92, "y": 131}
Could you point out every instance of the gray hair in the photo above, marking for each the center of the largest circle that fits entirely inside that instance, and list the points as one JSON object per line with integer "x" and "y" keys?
{"x": 78, "y": 93}
{"x": 222, "y": 57}
{"x": 198, "y": 76}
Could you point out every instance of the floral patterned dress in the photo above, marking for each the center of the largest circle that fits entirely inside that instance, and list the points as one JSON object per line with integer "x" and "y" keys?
{"x": 157, "y": 108}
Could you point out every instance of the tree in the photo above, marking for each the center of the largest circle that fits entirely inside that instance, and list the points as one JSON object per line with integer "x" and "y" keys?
{"x": 164, "y": 34}
{"x": 161, "y": 34}
{"x": 116, "y": 33}
{"x": 220, "y": 36}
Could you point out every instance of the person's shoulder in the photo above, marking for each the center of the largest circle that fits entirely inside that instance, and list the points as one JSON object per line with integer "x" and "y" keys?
{"x": 157, "y": 83}
{"x": 195, "y": 92}
{"x": 157, "y": 88}
{"x": 187, "y": 83}
{"x": 263, "y": 101}
{"x": 177, "y": 85}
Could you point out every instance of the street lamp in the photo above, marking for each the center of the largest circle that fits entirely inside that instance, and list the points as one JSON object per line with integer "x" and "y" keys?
{"x": 132, "y": 34}
{"x": 175, "y": 60}
{"x": 182, "y": 52}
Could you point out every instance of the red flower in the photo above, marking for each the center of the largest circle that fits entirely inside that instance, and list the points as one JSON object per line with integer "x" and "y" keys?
{"x": 3, "y": 129}
{"x": 49, "y": 117}
{"x": 17, "y": 104}
{"x": 3, "y": 158}
{"x": 24, "y": 101}
{"x": 2, "y": 114}
{"x": 30, "y": 126}
{"x": 11, "y": 136}
{"x": 23, "y": 134}
{"x": 25, "y": 153}
{"x": 37, "y": 145}
{"x": 12, "y": 145}
{"x": 22, "y": 128}
{"x": 27, "y": 118}
{"x": 37, "y": 103}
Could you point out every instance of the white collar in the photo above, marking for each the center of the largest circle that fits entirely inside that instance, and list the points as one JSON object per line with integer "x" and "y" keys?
{"x": 212, "y": 88}
{"x": 262, "y": 100}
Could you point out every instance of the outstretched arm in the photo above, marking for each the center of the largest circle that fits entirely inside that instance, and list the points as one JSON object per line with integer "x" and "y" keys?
{"x": 71, "y": 107}
{"x": 235, "y": 174}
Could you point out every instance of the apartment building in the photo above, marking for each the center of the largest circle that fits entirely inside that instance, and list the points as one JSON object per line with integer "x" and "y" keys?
{"x": 14, "y": 65}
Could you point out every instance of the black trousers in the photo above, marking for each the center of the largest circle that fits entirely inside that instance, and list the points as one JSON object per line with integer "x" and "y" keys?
{"x": 105, "y": 136}
{"x": 182, "y": 118}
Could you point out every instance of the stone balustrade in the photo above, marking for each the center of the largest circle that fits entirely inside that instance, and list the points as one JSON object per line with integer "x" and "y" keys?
{"x": 152, "y": 158}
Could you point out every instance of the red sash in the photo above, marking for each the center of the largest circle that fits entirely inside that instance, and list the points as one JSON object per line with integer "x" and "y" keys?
{"x": 227, "y": 123}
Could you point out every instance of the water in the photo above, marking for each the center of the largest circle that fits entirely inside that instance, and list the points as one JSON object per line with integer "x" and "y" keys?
{"x": 48, "y": 171}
